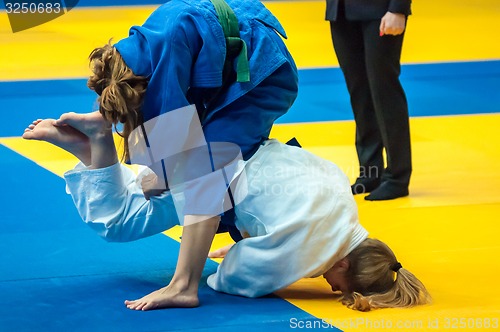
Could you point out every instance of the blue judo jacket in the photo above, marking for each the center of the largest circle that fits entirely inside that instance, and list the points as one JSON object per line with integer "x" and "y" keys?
{"x": 181, "y": 46}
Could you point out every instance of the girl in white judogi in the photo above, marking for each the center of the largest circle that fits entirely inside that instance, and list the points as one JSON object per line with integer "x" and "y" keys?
{"x": 295, "y": 210}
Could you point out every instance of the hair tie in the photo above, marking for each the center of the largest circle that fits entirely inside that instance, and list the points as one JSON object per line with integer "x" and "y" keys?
{"x": 396, "y": 267}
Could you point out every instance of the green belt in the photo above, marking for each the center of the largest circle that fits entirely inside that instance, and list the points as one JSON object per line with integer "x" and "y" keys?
{"x": 234, "y": 44}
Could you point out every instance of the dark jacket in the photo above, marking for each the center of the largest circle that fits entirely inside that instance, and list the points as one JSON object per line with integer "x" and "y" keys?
{"x": 362, "y": 10}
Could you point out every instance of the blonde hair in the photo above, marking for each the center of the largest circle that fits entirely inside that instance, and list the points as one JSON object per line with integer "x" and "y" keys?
{"x": 378, "y": 280}
{"x": 120, "y": 91}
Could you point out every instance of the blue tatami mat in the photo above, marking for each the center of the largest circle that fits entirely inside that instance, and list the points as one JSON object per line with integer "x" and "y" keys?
{"x": 58, "y": 275}
{"x": 432, "y": 89}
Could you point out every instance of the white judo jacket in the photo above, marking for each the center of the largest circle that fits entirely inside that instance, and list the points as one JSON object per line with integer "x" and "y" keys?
{"x": 296, "y": 209}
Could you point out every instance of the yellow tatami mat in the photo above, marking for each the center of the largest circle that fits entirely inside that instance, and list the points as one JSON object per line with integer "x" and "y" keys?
{"x": 444, "y": 30}
{"x": 446, "y": 231}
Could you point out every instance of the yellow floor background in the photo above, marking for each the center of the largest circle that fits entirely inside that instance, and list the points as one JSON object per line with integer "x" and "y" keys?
{"x": 446, "y": 231}
{"x": 438, "y": 30}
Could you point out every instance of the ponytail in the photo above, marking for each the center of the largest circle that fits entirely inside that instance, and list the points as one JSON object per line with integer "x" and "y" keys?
{"x": 373, "y": 267}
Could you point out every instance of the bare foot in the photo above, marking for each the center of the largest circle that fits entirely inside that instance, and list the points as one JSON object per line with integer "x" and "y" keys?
{"x": 91, "y": 124}
{"x": 66, "y": 137}
{"x": 165, "y": 297}
{"x": 98, "y": 130}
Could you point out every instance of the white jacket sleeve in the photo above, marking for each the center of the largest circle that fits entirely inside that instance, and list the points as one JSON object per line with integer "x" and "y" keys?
{"x": 254, "y": 267}
{"x": 111, "y": 203}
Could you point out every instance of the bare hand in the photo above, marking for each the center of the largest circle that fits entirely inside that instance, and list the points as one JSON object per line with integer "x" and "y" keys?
{"x": 392, "y": 24}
